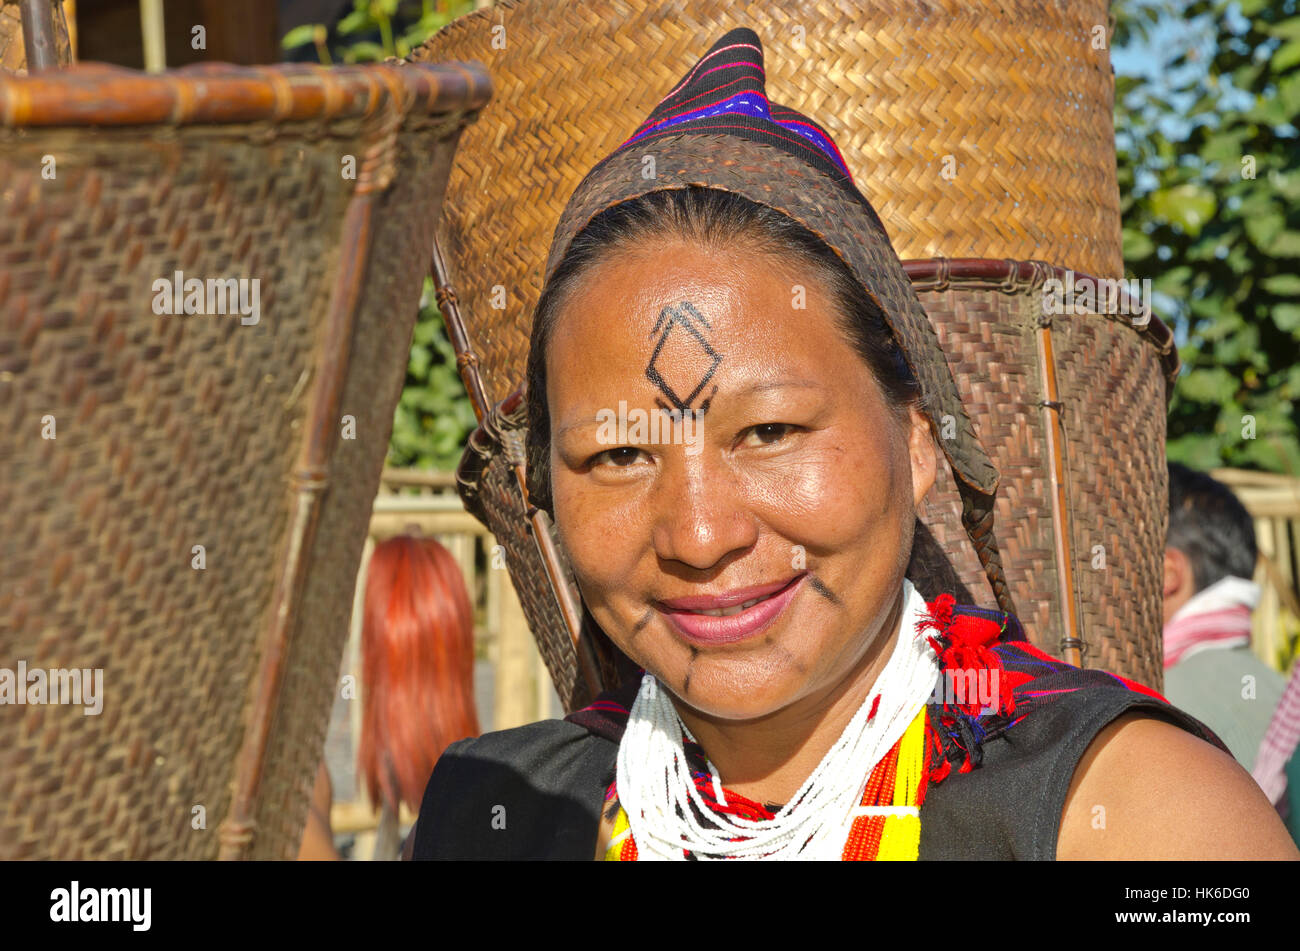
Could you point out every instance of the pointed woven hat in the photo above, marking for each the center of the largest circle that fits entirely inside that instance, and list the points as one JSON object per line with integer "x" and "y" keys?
{"x": 718, "y": 129}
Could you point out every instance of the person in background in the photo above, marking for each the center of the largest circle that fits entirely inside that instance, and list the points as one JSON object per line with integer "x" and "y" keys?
{"x": 1210, "y": 669}
{"x": 417, "y": 694}
{"x": 1276, "y": 765}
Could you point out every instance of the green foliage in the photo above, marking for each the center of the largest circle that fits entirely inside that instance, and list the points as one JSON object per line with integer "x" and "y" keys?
{"x": 376, "y": 29}
{"x": 434, "y": 416}
{"x": 1209, "y": 164}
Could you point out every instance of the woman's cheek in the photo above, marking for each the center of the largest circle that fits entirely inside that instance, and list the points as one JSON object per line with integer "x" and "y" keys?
{"x": 600, "y": 531}
{"x": 822, "y": 496}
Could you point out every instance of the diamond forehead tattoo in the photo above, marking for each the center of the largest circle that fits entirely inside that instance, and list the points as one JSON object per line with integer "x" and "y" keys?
{"x": 689, "y": 321}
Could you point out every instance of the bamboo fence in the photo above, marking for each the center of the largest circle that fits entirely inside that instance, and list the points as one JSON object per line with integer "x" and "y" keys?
{"x": 1273, "y": 501}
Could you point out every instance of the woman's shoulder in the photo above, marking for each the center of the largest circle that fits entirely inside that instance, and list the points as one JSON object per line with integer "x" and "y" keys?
{"x": 531, "y": 792}
{"x": 1147, "y": 790}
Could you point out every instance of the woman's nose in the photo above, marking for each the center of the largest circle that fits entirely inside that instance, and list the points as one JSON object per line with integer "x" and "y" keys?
{"x": 700, "y": 516}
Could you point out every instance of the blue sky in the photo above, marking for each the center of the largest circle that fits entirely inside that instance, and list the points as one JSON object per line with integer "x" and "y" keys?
{"x": 1170, "y": 38}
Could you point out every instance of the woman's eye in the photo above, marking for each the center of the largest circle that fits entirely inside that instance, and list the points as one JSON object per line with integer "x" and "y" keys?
{"x": 765, "y": 434}
{"x": 620, "y": 458}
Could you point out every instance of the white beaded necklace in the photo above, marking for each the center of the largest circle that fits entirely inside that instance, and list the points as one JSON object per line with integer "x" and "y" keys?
{"x": 656, "y": 789}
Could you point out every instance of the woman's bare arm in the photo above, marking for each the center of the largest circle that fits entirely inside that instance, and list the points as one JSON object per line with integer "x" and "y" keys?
{"x": 1146, "y": 789}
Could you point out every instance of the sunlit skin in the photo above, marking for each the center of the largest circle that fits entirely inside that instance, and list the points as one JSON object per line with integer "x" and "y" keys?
{"x": 799, "y": 448}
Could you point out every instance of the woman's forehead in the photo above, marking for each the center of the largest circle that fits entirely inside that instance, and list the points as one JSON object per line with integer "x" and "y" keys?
{"x": 675, "y": 326}
{"x": 728, "y": 296}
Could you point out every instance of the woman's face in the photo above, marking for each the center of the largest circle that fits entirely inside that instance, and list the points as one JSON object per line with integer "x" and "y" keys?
{"x": 748, "y": 555}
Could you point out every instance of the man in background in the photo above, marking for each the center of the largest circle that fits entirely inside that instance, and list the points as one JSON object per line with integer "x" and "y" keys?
{"x": 1210, "y": 670}
{"x": 1277, "y": 768}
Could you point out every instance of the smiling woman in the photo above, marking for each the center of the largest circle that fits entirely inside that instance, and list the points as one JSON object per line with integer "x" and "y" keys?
{"x": 761, "y": 514}
{"x": 787, "y": 699}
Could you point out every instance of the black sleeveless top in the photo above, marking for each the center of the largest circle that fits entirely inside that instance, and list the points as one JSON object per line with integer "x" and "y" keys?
{"x": 536, "y": 792}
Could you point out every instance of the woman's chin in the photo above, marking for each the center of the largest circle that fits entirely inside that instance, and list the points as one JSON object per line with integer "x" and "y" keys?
{"x": 736, "y": 701}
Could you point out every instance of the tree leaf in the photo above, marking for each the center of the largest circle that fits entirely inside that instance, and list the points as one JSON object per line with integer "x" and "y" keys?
{"x": 1194, "y": 449}
{"x": 1286, "y": 245}
{"x": 1287, "y": 317}
{"x": 1264, "y": 228}
{"x": 356, "y": 21}
{"x": 1285, "y": 56}
{"x": 365, "y": 53}
{"x": 1284, "y": 285}
{"x": 299, "y": 36}
{"x": 1137, "y": 246}
{"x": 1189, "y": 206}
{"x": 1213, "y": 385}
{"x": 1287, "y": 29}
{"x": 1225, "y": 147}
{"x": 1288, "y": 94}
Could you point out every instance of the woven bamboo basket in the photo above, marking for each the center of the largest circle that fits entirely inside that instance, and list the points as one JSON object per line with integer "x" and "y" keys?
{"x": 133, "y": 438}
{"x": 982, "y": 134}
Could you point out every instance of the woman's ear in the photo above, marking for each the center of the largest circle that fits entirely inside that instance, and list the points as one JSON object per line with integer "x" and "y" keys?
{"x": 922, "y": 452}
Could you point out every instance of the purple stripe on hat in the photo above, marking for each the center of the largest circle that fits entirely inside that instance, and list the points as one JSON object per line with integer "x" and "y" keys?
{"x": 752, "y": 104}
{"x": 819, "y": 138}
{"x": 729, "y": 128}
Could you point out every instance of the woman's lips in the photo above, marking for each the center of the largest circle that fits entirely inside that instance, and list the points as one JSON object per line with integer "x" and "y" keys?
{"x": 707, "y": 629}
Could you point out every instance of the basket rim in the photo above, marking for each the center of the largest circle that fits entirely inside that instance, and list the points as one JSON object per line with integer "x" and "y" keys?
{"x": 1010, "y": 275}
{"x": 99, "y": 94}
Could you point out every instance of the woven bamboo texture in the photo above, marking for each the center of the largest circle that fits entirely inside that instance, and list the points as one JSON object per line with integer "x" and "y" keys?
{"x": 1012, "y": 90}
{"x": 1112, "y": 377}
{"x": 486, "y": 480}
{"x": 177, "y": 431}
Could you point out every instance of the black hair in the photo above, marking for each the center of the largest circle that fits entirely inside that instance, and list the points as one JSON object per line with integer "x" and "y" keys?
{"x": 1210, "y": 526}
{"x": 715, "y": 218}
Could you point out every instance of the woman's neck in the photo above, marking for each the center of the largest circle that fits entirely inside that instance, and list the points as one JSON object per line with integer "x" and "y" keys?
{"x": 769, "y": 759}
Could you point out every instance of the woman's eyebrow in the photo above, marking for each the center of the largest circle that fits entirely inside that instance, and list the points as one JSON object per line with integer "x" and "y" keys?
{"x": 577, "y": 424}
{"x": 764, "y": 386}
{"x": 780, "y": 384}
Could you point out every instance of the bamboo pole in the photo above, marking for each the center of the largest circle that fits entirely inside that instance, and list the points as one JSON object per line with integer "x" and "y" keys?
{"x": 1071, "y": 641}
{"x": 40, "y": 39}
{"x": 386, "y": 525}
{"x": 154, "y": 35}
